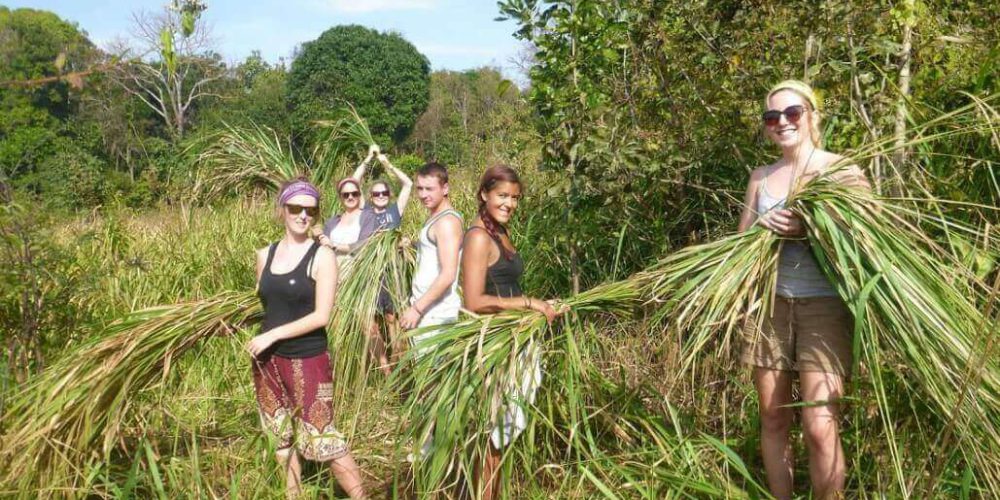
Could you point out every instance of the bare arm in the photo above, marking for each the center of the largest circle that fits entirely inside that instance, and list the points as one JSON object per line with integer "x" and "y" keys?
{"x": 749, "y": 214}
{"x": 477, "y": 252}
{"x": 261, "y": 261}
{"x": 407, "y": 183}
{"x": 324, "y": 272}
{"x": 359, "y": 172}
{"x": 448, "y": 233}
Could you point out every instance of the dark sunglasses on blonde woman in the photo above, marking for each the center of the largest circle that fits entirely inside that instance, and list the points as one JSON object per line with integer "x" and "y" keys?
{"x": 380, "y": 194}
{"x": 297, "y": 209}
{"x": 772, "y": 116}
{"x": 350, "y": 194}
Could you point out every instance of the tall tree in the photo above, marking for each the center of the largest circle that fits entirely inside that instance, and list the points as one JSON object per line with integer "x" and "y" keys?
{"x": 182, "y": 64}
{"x": 381, "y": 74}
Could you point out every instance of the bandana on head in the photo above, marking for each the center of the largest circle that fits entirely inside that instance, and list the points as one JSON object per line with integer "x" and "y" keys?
{"x": 348, "y": 180}
{"x": 296, "y": 188}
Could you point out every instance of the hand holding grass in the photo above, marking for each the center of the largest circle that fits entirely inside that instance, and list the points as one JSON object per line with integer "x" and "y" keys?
{"x": 410, "y": 318}
{"x": 783, "y": 222}
{"x": 260, "y": 343}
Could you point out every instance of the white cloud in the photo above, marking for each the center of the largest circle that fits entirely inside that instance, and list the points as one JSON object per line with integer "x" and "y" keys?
{"x": 363, "y": 6}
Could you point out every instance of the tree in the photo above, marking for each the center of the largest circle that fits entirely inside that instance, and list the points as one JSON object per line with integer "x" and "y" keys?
{"x": 183, "y": 68}
{"x": 473, "y": 117}
{"x": 381, "y": 74}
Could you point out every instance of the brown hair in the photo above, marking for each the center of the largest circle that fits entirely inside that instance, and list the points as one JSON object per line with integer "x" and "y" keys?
{"x": 434, "y": 169}
{"x": 382, "y": 182}
{"x": 491, "y": 177}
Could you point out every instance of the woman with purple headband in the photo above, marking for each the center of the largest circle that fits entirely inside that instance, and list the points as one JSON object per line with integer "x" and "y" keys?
{"x": 297, "y": 285}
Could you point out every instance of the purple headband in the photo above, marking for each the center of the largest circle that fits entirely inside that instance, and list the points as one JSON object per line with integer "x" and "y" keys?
{"x": 296, "y": 188}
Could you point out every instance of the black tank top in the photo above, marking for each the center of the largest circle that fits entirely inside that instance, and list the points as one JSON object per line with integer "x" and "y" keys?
{"x": 286, "y": 298}
{"x": 503, "y": 277}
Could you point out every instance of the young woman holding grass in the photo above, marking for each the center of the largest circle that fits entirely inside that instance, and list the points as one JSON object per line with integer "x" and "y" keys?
{"x": 491, "y": 282}
{"x": 297, "y": 285}
{"x": 809, "y": 332}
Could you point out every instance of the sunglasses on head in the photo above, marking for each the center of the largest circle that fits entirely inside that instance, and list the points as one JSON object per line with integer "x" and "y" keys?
{"x": 379, "y": 194}
{"x": 772, "y": 117}
{"x": 350, "y": 194}
{"x": 297, "y": 209}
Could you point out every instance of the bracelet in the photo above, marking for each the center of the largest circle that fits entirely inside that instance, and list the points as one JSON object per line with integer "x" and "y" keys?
{"x": 527, "y": 303}
{"x": 415, "y": 308}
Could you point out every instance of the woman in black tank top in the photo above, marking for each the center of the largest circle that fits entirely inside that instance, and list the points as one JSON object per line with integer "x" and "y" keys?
{"x": 297, "y": 283}
{"x": 491, "y": 282}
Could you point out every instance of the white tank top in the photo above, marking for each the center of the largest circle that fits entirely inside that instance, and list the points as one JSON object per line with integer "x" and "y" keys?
{"x": 346, "y": 234}
{"x": 799, "y": 274}
{"x": 428, "y": 269}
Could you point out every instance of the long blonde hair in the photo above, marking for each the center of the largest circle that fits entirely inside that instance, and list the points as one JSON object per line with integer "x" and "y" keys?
{"x": 806, "y": 92}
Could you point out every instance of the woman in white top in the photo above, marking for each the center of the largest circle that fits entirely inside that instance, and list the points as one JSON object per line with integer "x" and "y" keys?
{"x": 342, "y": 232}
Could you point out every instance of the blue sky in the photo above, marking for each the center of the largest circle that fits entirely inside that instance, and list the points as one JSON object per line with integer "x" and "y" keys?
{"x": 453, "y": 34}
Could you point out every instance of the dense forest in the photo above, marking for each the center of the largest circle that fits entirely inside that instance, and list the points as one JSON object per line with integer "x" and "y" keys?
{"x": 142, "y": 174}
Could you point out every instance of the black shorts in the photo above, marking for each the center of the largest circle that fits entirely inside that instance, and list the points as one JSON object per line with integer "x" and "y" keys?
{"x": 384, "y": 302}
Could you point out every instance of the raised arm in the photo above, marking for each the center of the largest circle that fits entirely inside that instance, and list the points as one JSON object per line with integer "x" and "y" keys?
{"x": 359, "y": 172}
{"x": 324, "y": 272}
{"x": 404, "y": 180}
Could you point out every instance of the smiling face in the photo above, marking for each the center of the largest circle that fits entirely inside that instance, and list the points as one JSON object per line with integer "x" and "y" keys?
{"x": 785, "y": 133}
{"x": 431, "y": 191}
{"x": 379, "y": 195}
{"x": 295, "y": 213}
{"x": 350, "y": 196}
{"x": 502, "y": 200}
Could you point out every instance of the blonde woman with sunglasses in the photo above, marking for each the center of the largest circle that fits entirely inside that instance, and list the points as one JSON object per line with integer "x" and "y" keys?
{"x": 809, "y": 332}
{"x": 297, "y": 283}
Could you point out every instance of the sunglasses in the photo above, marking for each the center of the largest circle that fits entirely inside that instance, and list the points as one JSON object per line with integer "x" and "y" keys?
{"x": 350, "y": 194}
{"x": 297, "y": 209}
{"x": 772, "y": 116}
{"x": 380, "y": 194}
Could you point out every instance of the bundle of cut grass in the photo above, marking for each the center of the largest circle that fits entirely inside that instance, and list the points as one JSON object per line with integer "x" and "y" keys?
{"x": 915, "y": 307}
{"x": 461, "y": 379}
{"x": 72, "y": 413}
{"x": 378, "y": 261}
{"x": 346, "y": 131}
{"x": 242, "y": 158}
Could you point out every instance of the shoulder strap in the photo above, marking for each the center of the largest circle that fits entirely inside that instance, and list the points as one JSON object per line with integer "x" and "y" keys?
{"x": 270, "y": 257}
{"x": 438, "y": 217}
{"x": 309, "y": 257}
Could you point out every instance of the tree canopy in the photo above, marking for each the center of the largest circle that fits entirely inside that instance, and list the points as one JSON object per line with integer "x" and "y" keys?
{"x": 381, "y": 74}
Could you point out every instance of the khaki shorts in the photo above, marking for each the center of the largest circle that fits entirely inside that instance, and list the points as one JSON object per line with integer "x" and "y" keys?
{"x": 811, "y": 334}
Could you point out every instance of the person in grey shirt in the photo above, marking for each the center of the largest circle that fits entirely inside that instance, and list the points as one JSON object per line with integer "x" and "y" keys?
{"x": 381, "y": 214}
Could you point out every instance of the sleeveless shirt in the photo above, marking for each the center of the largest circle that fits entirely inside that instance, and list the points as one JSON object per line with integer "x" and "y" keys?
{"x": 428, "y": 269}
{"x": 503, "y": 277}
{"x": 799, "y": 275}
{"x": 287, "y": 297}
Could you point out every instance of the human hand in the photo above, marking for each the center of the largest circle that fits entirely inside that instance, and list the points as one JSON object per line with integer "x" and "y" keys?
{"x": 411, "y": 317}
{"x": 559, "y": 306}
{"x": 345, "y": 249}
{"x": 324, "y": 240}
{"x": 405, "y": 242}
{"x": 782, "y": 221}
{"x": 382, "y": 158}
{"x": 544, "y": 308}
{"x": 260, "y": 343}
{"x": 373, "y": 150}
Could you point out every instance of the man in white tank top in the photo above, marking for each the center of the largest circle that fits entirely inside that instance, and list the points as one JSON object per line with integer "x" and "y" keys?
{"x": 434, "y": 296}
